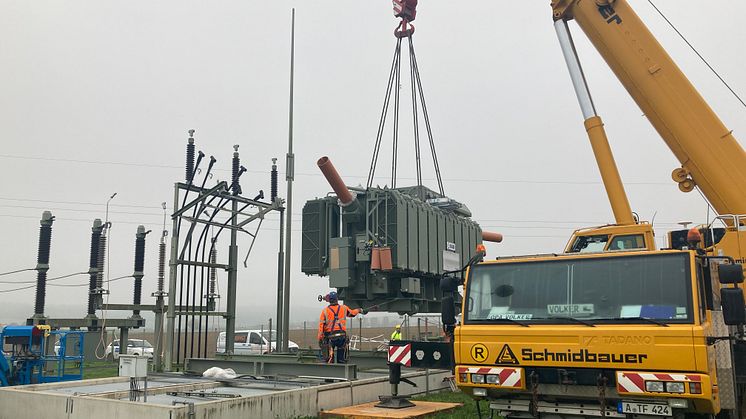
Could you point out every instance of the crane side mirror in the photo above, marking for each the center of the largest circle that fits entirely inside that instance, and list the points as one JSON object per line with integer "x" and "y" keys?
{"x": 730, "y": 273}
{"x": 731, "y": 300}
{"x": 448, "y": 311}
{"x": 449, "y": 283}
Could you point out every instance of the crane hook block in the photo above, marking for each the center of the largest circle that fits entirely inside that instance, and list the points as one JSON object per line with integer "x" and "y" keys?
{"x": 405, "y": 9}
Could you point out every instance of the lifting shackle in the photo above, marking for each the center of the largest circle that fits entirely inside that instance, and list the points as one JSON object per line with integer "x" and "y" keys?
{"x": 407, "y": 11}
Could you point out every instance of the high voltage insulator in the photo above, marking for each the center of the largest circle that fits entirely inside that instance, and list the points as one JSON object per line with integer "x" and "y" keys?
{"x": 42, "y": 261}
{"x": 161, "y": 263}
{"x": 101, "y": 259}
{"x": 93, "y": 265}
{"x": 190, "y": 157}
{"x": 236, "y": 172}
{"x": 273, "y": 181}
{"x": 213, "y": 271}
{"x": 139, "y": 265}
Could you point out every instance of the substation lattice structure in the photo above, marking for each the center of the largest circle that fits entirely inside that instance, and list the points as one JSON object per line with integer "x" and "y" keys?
{"x": 201, "y": 217}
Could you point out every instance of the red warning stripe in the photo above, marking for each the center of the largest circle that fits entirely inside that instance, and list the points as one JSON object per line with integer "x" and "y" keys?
{"x": 401, "y": 354}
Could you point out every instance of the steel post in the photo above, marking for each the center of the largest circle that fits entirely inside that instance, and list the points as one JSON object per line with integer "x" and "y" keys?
{"x": 230, "y": 318}
{"x": 289, "y": 176}
{"x": 158, "y": 332}
{"x": 173, "y": 271}
{"x": 123, "y": 340}
{"x": 280, "y": 283}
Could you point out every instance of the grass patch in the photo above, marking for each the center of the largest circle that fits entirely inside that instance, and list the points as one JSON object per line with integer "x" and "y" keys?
{"x": 100, "y": 369}
{"x": 468, "y": 410}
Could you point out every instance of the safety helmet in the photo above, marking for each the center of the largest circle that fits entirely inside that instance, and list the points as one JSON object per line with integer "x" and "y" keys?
{"x": 398, "y": 326}
{"x": 333, "y": 297}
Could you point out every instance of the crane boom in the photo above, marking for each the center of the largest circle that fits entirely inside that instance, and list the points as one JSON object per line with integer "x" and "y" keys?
{"x": 710, "y": 156}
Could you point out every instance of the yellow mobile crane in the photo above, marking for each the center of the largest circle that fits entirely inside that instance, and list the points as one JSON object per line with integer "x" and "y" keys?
{"x": 711, "y": 158}
{"x": 598, "y": 332}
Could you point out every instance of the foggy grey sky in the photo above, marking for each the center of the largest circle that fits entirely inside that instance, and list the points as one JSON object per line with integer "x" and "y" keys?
{"x": 120, "y": 83}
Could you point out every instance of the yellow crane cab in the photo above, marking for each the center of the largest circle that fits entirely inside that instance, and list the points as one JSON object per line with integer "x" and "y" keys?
{"x": 612, "y": 238}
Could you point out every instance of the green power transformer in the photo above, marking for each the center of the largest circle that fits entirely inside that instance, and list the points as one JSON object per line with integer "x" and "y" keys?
{"x": 386, "y": 249}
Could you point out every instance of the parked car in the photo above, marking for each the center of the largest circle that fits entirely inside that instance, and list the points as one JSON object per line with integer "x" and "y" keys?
{"x": 134, "y": 347}
{"x": 252, "y": 342}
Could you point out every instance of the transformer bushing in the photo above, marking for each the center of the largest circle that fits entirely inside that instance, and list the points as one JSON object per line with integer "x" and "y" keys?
{"x": 42, "y": 262}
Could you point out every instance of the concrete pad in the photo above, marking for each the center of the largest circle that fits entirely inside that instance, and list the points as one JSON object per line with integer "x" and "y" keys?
{"x": 370, "y": 411}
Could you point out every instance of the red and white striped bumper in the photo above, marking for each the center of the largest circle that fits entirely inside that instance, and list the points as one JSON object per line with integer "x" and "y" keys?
{"x": 633, "y": 382}
{"x": 401, "y": 354}
{"x": 507, "y": 377}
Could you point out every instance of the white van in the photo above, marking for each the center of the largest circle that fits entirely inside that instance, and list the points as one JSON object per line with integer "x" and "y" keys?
{"x": 252, "y": 342}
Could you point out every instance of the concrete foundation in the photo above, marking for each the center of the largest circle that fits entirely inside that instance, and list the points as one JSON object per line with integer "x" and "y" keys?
{"x": 103, "y": 398}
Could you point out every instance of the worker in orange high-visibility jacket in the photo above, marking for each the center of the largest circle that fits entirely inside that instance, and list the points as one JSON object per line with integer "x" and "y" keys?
{"x": 333, "y": 328}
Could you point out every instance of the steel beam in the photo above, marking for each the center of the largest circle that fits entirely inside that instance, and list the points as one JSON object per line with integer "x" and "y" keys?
{"x": 88, "y": 323}
{"x": 204, "y": 264}
{"x": 268, "y": 366}
{"x": 260, "y": 214}
{"x": 201, "y": 313}
{"x": 214, "y": 224}
{"x": 129, "y": 307}
{"x": 204, "y": 194}
{"x": 227, "y": 195}
{"x": 172, "y": 277}
{"x": 364, "y": 360}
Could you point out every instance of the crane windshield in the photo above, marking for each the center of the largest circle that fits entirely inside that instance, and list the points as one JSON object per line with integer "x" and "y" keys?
{"x": 621, "y": 289}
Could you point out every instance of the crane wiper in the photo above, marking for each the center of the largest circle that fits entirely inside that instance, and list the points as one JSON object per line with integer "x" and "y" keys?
{"x": 504, "y": 320}
{"x": 570, "y": 319}
{"x": 645, "y": 319}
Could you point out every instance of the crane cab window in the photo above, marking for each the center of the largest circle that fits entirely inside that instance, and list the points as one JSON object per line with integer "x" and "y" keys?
{"x": 590, "y": 244}
{"x": 628, "y": 242}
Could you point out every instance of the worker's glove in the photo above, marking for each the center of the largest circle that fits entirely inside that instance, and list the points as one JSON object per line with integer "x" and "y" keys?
{"x": 364, "y": 311}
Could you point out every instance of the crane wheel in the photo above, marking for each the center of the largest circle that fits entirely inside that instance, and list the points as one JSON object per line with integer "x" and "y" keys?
{"x": 679, "y": 175}
{"x": 686, "y": 186}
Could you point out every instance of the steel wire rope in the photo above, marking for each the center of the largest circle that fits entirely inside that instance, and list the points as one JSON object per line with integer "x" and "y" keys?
{"x": 15, "y": 272}
{"x": 681, "y": 35}
{"x": 48, "y": 279}
{"x": 76, "y": 203}
{"x": 107, "y": 281}
{"x": 77, "y": 210}
{"x": 382, "y": 120}
{"x": 436, "y": 165}
{"x": 415, "y": 117}
{"x": 396, "y": 116}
